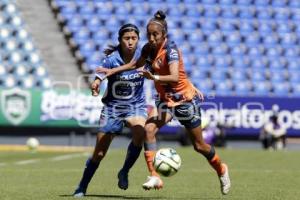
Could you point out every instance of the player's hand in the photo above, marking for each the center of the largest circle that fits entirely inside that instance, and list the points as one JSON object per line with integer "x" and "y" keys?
{"x": 95, "y": 88}
{"x": 106, "y": 71}
{"x": 200, "y": 95}
{"x": 145, "y": 73}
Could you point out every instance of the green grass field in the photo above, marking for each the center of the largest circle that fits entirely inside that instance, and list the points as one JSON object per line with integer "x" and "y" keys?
{"x": 255, "y": 175}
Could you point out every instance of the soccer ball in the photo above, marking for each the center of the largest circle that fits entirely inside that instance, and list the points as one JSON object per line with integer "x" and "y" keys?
{"x": 32, "y": 143}
{"x": 167, "y": 162}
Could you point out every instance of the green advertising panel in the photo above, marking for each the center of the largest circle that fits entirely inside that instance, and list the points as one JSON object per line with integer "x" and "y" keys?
{"x": 59, "y": 107}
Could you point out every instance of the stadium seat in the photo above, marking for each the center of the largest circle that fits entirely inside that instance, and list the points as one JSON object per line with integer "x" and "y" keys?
{"x": 242, "y": 88}
{"x": 261, "y": 88}
{"x": 281, "y": 89}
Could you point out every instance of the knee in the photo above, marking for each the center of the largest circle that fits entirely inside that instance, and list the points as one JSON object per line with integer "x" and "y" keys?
{"x": 150, "y": 130}
{"x": 97, "y": 157}
{"x": 202, "y": 148}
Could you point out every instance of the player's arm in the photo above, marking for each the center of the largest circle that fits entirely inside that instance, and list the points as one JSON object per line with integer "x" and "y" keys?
{"x": 173, "y": 77}
{"x": 133, "y": 64}
{"x": 95, "y": 86}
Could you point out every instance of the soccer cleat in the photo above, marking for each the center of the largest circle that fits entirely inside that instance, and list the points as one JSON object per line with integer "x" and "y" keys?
{"x": 123, "y": 180}
{"x": 225, "y": 181}
{"x": 153, "y": 182}
{"x": 79, "y": 192}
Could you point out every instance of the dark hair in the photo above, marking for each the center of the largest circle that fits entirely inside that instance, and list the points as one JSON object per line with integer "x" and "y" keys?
{"x": 125, "y": 28}
{"x": 160, "y": 19}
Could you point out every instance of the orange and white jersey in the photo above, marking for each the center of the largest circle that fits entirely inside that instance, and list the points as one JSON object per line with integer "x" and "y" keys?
{"x": 172, "y": 93}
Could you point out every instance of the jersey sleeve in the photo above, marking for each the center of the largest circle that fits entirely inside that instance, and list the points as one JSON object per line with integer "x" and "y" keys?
{"x": 105, "y": 63}
{"x": 172, "y": 53}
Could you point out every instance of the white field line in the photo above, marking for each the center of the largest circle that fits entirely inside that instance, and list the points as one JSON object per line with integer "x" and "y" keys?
{"x": 25, "y": 162}
{"x": 2, "y": 164}
{"x": 55, "y": 159}
{"x": 68, "y": 156}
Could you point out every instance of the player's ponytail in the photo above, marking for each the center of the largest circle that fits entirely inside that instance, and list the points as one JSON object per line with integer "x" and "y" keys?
{"x": 125, "y": 28}
{"x": 160, "y": 19}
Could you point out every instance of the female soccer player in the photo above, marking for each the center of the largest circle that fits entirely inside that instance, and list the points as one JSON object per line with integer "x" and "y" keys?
{"x": 124, "y": 102}
{"x": 177, "y": 98}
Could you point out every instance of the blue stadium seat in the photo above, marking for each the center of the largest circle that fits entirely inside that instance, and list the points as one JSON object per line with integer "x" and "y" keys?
{"x": 233, "y": 39}
{"x": 221, "y": 62}
{"x": 296, "y": 90}
{"x": 204, "y": 85}
{"x": 291, "y": 53}
{"x": 196, "y": 37}
{"x": 238, "y": 50}
{"x": 209, "y": 2}
{"x": 211, "y": 12}
{"x": 270, "y": 40}
{"x": 277, "y": 75}
{"x": 265, "y": 28}
{"x": 218, "y": 74}
{"x": 252, "y": 40}
{"x": 221, "y": 50}
{"x": 263, "y": 13}
{"x": 281, "y": 15}
{"x": 226, "y": 2}
{"x": 261, "y": 88}
{"x": 246, "y": 12}
{"x": 226, "y": 26}
{"x": 189, "y": 25}
{"x": 255, "y": 51}
{"x": 263, "y": 3}
{"x": 294, "y": 3}
{"x": 203, "y": 62}
{"x": 223, "y": 88}
{"x": 208, "y": 26}
{"x": 215, "y": 39}
{"x": 257, "y": 75}
{"x": 274, "y": 52}
{"x": 245, "y": 28}
{"x": 277, "y": 64}
{"x": 192, "y": 11}
{"x": 241, "y": 62}
{"x": 243, "y": 2}
{"x": 229, "y": 13}
{"x": 288, "y": 40}
{"x": 281, "y": 89}
{"x": 238, "y": 75}
{"x": 278, "y": 3}
{"x": 294, "y": 76}
{"x": 242, "y": 88}
{"x": 200, "y": 49}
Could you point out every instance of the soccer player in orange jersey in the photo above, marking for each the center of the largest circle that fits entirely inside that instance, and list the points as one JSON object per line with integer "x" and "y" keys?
{"x": 177, "y": 97}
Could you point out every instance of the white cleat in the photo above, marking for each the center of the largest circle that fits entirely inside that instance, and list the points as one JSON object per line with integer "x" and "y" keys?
{"x": 225, "y": 181}
{"x": 153, "y": 182}
{"x": 79, "y": 195}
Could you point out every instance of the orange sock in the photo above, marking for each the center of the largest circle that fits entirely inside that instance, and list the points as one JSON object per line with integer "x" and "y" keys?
{"x": 216, "y": 163}
{"x": 149, "y": 155}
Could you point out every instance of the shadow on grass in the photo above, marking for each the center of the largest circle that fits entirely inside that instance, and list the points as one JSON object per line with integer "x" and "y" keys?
{"x": 136, "y": 197}
{"x": 116, "y": 196}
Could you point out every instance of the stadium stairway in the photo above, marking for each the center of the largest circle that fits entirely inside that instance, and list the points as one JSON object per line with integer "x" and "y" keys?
{"x": 46, "y": 34}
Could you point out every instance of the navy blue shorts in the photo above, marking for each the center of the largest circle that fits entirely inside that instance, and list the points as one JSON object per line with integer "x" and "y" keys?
{"x": 112, "y": 119}
{"x": 187, "y": 113}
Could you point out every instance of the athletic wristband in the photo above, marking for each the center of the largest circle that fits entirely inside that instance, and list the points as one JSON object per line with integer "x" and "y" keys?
{"x": 156, "y": 77}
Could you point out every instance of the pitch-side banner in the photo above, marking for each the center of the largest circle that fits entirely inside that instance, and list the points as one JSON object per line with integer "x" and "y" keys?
{"x": 62, "y": 108}
{"x": 248, "y": 115}
{"x": 71, "y": 108}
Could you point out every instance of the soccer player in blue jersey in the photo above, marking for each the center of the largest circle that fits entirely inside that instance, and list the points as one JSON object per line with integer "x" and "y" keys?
{"x": 124, "y": 103}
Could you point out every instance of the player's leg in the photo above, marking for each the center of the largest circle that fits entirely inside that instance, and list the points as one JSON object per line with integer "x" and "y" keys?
{"x": 189, "y": 115}
{"x": 209, "y": 152}
{"x": 110, "y": 125}
{"x": 136, "y": 125}
{"x": 102, "y": 144}
{"x": 157, "y": 119}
